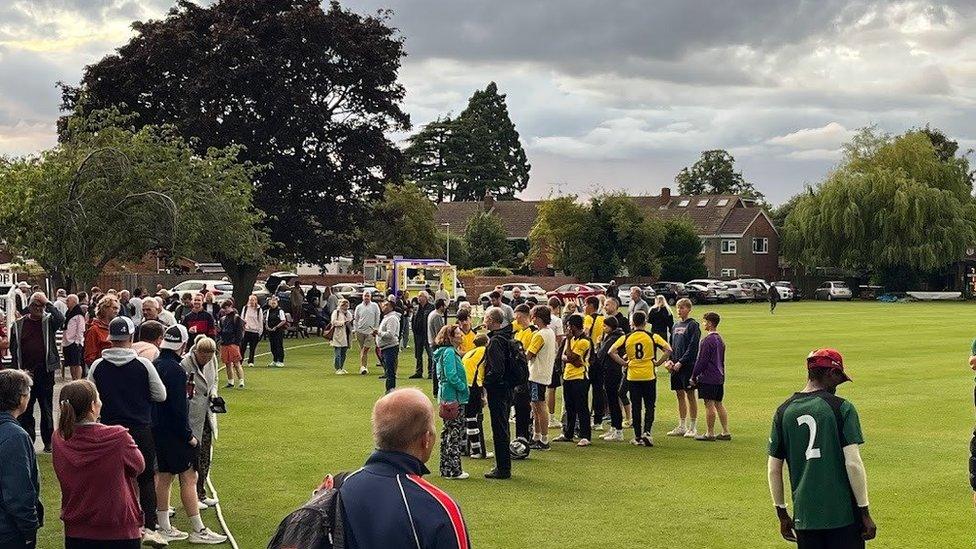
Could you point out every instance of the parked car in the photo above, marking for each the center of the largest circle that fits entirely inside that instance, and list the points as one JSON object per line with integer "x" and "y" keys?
{"x": 698, "y": 293}
{"x": 220, "y": 288}
{"x": 275, "y": 279}
{"x": 603, "y": 287}
{"x": 738, "y": 292}
{"x": 574, "y": 292}
{"x": 354, "y": 293}
{"x": 787, "y": 284}
{"x": 527, "y": 291}
{"x": 758, "y": 286}
{"x": 672, "y": 291}
{"x": 833, "y": 290}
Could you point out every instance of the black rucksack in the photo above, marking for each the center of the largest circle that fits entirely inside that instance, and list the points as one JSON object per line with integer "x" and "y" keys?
{"x": 315, "y": 525}
{"x": 517, "y": 366}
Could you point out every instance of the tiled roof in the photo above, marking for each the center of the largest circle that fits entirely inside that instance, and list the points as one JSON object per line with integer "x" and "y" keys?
{"x": 739, "y": 220}
{"x": 707, "y": 218}
{"x": 517, "y": 216}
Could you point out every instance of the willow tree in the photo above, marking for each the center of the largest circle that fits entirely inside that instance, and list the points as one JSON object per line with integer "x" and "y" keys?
{"x": 893, "y": 208}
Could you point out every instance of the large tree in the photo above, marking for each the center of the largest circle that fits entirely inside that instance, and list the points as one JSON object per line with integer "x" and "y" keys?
{"x": 403, "y": 224}
{"x": 309, "y": 93}
{"x": 108, "y": 192}
{"x": 715, "y": 173}
{"x": 680, "y": 255}
{"x": 476, "y": 154}
{"x": 895, "y": 207}
{"x": 485, "y": 240}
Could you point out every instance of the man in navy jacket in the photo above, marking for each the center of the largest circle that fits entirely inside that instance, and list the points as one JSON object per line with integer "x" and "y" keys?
{"x": 387, "y": 503}
{"x": 21, "y": 513}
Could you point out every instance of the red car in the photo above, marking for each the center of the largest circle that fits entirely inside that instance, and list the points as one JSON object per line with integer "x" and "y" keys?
{"x": 574, "y": 292}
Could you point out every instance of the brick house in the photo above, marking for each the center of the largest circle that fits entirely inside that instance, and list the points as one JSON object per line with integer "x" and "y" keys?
{"x": 738, "y": 237}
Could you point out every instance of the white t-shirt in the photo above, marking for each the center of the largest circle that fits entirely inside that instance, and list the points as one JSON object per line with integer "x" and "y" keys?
{"x": 540, "y": 367}
{"x": 557, "y": 326}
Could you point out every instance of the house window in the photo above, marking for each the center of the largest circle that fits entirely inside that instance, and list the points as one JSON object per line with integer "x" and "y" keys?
{"x": 729, "y": 273}
{"x": 723, "y": 202}
{"x": 704, "y": 243}
{"x": 729, "y": 246}
{"x": 684, "y": 203}
{"x": 760, "y": 245}
{"x": 703, "y": 202}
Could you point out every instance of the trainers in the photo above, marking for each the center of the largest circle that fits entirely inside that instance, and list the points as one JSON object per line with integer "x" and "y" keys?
{"x": 498, "y": 475}
{"x": 562, "y": 438}
{"x": 554, "y": 423}
{"x": 724, "y": 436}
{"x": 171, "y": 511}
{"x": 229, "y": 385}
{"x": 152, "y": 539}
{"x": 210, "y": 502}
{"x": 201, "y": 505}
{"x": 277, "y": 365}
{"x": 207, "y": 537}
{"x": 250, "y": 364}
{"x": 240, "y": 385}
{"x": 691, "y": 434}
{"x": 462, "y": 476}
{"x": 639, "y": 442}
{"x": 416, "y": 376}
{"x": 583, "y": 442}
{"x": 705, "y": 438}
{"x": 172, "y": 534}
{"x": 677, "y": 432}
{"x": 363, "y": 371}
{"x": 614, "y": 436}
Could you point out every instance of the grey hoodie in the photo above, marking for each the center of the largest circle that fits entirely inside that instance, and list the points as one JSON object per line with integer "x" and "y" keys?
{"x": 388, "y": 334}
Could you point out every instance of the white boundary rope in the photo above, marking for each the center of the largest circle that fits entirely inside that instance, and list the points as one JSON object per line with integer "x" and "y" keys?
{"x": 220, "y": 513}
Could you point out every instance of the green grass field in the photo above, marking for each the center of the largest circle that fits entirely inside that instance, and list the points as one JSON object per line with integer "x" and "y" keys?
{"x": 912, "y": 388}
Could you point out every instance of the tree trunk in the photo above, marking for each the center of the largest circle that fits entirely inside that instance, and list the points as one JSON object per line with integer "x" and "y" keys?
{"x": 243, "y": 278}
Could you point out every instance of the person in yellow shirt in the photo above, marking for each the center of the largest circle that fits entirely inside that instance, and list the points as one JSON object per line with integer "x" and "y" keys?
{"x": 474, "y": 369}
{"x": 467, "y": 334}
{"x": 521, "y": 400}
{"x": 576, "y": 359}
{"x": 641, "y": 351}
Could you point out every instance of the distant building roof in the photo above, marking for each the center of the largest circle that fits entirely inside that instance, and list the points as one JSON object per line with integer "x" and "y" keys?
{"x": 517, "y": 216}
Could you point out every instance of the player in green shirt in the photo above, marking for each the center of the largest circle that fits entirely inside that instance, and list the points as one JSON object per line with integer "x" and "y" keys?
{"x": 818, "y": 435}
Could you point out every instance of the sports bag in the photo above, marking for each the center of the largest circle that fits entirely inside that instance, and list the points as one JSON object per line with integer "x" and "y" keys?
{"x": 517, "y": 366}
{"x": 317, "y": 524}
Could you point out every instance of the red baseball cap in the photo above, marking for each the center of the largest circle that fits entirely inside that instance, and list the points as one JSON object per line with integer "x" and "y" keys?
{"x": 827, "y": 358}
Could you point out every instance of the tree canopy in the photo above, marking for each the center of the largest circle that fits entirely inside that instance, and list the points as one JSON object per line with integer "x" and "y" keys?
{"x": 598, "y": 240}
{"x": 680, "y": 255}
{"x": 474, "y": 154}
{"x": 485, "y": 240}
{"x": 108, "y": 192}
{"x": 310, "y": 94}
{"x": 403, "y": 224}
{"x": 895, "y": 207}
{"x": 714, "y": 173}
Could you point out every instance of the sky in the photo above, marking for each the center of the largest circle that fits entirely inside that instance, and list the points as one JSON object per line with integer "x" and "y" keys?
{"x": 606, "y": 95}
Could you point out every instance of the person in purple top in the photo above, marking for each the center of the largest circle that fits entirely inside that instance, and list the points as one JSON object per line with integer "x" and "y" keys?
{"x": 709, "y": 378}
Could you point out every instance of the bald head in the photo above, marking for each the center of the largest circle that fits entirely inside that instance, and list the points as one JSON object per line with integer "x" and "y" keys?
{"x": 403, "y": 421}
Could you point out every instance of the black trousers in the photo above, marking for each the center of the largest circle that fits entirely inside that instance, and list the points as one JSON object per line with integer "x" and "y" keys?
{"x": 277, "y": 341}
{"x": 522, "y": 401}
{"x": 202, "y": 464}
{"x": 611, "y": 391}
{"x": 846, "y": 537}
{"x": 576, "y": 401}
{"x": 146, "y": 480}
{"x": 249, "y": 344}
{"x": 41, "y": 393}
{"x": 474, "y": 422}
{"x": 599, "y": 398}
{"x": 643, "y": 395}
{"x": 421, "y": 348}
{"x": 79, "y": 543}
{"x": 498, "y": 407}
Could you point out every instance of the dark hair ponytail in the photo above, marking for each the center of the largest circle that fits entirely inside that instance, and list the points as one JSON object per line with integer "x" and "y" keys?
{"x": 77, "y": 398}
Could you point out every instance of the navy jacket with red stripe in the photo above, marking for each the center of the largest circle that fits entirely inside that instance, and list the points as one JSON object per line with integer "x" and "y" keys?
{"x": 388, "y": 504}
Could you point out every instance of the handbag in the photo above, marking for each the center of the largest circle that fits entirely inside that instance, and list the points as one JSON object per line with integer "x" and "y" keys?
{"x": 450, "y": 410}
{"x": 328, "y": 332}
{"x": 218, "y": 405}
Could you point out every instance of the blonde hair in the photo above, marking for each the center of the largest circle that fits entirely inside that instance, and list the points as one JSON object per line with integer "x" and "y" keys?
{"x": 104, "y": 303}
{"x": 660, "y": 302}
{"x": 683, "y": 301}
{"x": 446, "y": 334}
{"x": 204, "y": 344}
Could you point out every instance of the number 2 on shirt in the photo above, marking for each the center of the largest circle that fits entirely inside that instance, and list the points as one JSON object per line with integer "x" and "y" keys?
{"x": 812, "y": 453}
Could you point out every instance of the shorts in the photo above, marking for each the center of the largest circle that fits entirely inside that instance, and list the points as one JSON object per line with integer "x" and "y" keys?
{"x": 681, "y": 380}
{"x": 557, "y": 378}
{"x": 173, "y": 455}
{"x": 230, "y": 354}
{"x": 845, "y": 537}
{"x": 73, "y": 355}
{"x": 711, "y": 392}
{"x": 365, "y": 341}
{"x": 537, "y": 392}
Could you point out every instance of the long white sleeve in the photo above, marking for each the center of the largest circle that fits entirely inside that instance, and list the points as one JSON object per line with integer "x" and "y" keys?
{"x": 774, "y": 470}
{"x": 856, "y": 474}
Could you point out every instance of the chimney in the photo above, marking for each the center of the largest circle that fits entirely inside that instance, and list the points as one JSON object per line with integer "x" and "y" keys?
{"x": 489, "y": 202}
{"x": 665, "y": 193}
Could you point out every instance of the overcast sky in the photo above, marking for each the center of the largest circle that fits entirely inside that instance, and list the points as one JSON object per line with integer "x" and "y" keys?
{"x": 605, "y": 94}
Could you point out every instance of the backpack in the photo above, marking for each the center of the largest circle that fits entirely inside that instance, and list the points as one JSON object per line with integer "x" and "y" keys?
{"x": 517, "y": 366}
{"x": 317, "y": 524}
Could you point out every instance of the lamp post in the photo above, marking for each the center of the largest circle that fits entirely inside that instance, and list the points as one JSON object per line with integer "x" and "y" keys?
{"x": 448, "y": 225}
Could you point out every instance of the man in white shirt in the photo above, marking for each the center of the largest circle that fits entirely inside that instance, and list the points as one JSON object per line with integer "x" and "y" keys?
{"x": 541, "y": 354}
{"x": 365, "y": 321}
{"x": 136, "y": 303}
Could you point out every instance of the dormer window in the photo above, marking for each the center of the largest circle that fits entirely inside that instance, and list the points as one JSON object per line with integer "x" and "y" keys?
{"x": 684, "y": 203}
{"x": 703, "y": 202}
{"x": 723, "y": 202}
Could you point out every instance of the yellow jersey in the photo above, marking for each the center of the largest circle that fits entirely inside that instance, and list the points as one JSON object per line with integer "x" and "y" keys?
{"x": 467, "y": 341}
{"x": 581, "y": 346}
{"x": 473, "y": 361}
{"x": 593, "y": 326}
{"x": 640, "y": 350}
{"x": 524, "y": 336}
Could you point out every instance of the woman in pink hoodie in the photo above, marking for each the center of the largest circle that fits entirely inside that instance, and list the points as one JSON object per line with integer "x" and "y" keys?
{"x": 96, "y": 466}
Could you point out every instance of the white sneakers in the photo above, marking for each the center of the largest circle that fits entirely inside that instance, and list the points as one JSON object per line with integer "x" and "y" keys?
{"x": 151, "y": 538}
{"x": 677, "y": 432}
{"x": 209, "y": 502}
{"x": 691, "y": 433}
{"x": 462, "y": 476}
{"x": 554, "y": 423}
{"x": 583, "y": 442}
{"x": 207, "y": 537}
{"x": 342, "y": 372}
{"x": 250, "y": 364}
{"x": 613, "y": 435}
{"x": 172, "y": 534}
{"x": 363, "y": 371}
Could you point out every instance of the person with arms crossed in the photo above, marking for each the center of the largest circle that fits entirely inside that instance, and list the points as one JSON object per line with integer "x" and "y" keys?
{"x": 640, "y": 359}
{"x": 577, "y": 354}
{"x": 421, "y": 341}
{"x": 818, "y": 434}
{"x": 497, "y": 357}
{"x": 612, "y": 376}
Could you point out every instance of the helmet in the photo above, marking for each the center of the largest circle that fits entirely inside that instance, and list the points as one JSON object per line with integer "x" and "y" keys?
{"x": 519, "y": 448}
